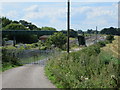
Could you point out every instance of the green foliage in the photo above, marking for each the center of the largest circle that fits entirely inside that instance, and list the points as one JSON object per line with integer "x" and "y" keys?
{"x": 5, "y": 21}
{"x": 110, "y": 38}
{"x": 57, "y": 39}
{"x": 7, "y": 66}
{"x": 48, "y": 29}
{"x": 29, "y": 46}
{"x": 14, "y": 26}
{"x": 29, "y": 25}
{"x": 102, "y": 43}
{"x": 110, "y": 31}
{"x": 90, "y": 31}
{"x": 88, "y": 68}
{"x": 9, "y": 56}
{"x": 24, "y": 38}
{"x": 43, "y": 48}
{"x": 21, "y": 25}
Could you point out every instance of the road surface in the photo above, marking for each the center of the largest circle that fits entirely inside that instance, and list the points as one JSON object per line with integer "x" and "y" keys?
{"x": 27, "y": 76}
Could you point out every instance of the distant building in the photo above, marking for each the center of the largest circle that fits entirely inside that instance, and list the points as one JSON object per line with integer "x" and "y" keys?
{"x": 44, "y": 38}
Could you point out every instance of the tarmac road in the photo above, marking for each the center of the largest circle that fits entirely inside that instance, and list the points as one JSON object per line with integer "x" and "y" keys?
{"x": 27, "y": 76}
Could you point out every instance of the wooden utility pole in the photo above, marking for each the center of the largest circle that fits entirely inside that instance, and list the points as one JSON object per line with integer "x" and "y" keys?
{"x": 96, "y": 34}
{"x": 68, "y": 26}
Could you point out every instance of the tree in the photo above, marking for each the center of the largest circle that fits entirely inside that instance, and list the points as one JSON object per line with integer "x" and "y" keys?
{"x": 80, "y": 31}
{"x": 15, "y": 22}
{"x": 23, "y": 22}
{"x": 14, "y": 26}
{"x": 109, "y": 31}
{"x": 29, "y": 25}
{"x": 32, "y": 27}
{"x": 5, "y": 21}
{"x": 110, "y": 38}
{"x": 58, "y": 39}
{"x": 48, "y": 29}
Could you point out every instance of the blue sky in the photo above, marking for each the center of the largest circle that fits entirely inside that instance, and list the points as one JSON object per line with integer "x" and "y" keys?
{"x": 84, "y": 15}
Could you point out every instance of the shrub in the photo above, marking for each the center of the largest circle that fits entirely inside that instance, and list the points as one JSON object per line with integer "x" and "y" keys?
{"x": 83, "y": 69}
{"x": 102, "y": 43}
{"x": 9, "y": 56}
{"x": 43, "y": 48}
{"x": 110, "y": 38}
{"x": 57, "y": 39}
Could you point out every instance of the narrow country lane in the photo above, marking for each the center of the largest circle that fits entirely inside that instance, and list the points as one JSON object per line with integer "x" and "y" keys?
{"x": 27, "y": 76}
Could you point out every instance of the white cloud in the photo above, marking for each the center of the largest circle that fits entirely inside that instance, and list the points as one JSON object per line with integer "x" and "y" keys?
{"x": 101, "y": 16}
{"x": 101, "y": 11}
{"x": 79, "y": 10}
{"x": 33, "y": 8}
{"x": 95, "y": 16}
{"x": 93, "y": 12}
{"x": 12, "y": 14}
{"x": 56, "y": 16}
{"x": 49, "y": 12}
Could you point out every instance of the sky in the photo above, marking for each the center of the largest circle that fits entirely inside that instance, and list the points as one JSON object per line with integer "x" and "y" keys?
{"x": 83, "y": 15}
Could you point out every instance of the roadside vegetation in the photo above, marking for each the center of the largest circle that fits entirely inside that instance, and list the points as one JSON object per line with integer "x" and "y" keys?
{"x": 9, "y": 59}
{"x": 90, "y": 67}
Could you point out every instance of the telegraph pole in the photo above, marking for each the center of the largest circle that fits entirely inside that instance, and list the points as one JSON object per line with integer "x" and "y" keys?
{"x": 96, "y": 34}
{"x": 68, "y": 26}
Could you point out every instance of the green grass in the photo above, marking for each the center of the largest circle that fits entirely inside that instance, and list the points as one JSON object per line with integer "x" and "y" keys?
{"x": 7, "y": 66}
{"x": 72, "y": 38}
{"x": 88, "y": 68}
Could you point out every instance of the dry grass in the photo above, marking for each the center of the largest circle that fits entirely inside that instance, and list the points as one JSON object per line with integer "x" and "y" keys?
{"x": 114, "y": 47}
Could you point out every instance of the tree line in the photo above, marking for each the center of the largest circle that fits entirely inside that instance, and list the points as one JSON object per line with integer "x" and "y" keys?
{"x": 8, "y": 24}
{"x": 108, "y": 31}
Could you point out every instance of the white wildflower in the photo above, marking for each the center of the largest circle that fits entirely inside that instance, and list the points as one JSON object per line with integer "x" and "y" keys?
{"x": 112, "y": 76}
{"x": 81, "y": 76}
{"x": 86, "y": 78}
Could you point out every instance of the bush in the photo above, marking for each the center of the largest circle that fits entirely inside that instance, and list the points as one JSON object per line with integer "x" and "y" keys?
{"x": 102, "y": 43}
{"x": 110, "y": 38}
{"x": 57, "y": 39}
{"x": 83, "y": 69}
{"x": 9, "y": 57}
{"x": 43, "y": 48}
